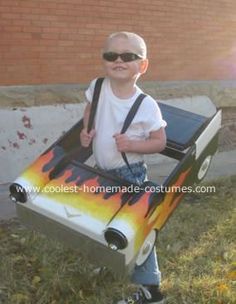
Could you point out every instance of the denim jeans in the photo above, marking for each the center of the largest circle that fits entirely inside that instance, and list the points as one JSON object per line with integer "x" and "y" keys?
{"x": 148, "y": 273}
{"x": 138, "y": 174}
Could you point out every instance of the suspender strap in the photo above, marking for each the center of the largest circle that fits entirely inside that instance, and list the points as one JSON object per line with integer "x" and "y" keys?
{"x": 128, "y": 119}
{"x": 94, "y": 104}
{"x": 97, "y": 90}
{"x": 133, "y": 110}
{"x": 80, "y": 149}
{"x": 127, "y": 122}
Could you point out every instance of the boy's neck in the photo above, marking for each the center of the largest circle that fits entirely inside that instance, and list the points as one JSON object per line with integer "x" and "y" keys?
{"x": 123, "y": 89}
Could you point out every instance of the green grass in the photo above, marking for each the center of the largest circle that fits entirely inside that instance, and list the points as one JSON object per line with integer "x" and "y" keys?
{"x": 197, "y": 256}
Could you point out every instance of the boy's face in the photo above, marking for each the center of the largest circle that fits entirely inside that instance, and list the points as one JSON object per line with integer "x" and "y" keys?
{"x": 119, "y": 70}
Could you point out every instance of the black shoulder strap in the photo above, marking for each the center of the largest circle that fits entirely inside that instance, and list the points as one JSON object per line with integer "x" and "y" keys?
{"x": 129, "y": 118}
{"x": 96, "y": 94}
{"x": 133, "y": 110}
{"x": 59, "y": 167}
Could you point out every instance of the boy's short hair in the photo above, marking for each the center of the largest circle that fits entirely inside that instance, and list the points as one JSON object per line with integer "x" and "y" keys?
{"x": 135, "y": 39}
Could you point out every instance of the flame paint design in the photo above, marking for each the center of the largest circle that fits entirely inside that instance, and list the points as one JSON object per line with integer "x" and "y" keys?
{"x": 100, "y": 205}
{"x": 143, "y": 211}
{"x": 170, "y": 202}
{"x": 38, "y": 172}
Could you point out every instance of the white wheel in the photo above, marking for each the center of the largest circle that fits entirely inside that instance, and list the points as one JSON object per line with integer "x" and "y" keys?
{"x": 204, "y": 167}
{"x": 146, "y": 248}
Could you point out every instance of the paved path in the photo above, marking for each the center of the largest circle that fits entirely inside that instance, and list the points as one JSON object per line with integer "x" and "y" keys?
{"x": 223, "y": 164}
{"x": 7, "y": 208}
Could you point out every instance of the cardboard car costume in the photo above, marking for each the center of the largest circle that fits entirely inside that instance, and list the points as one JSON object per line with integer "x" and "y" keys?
{"x": 111, "y": 221}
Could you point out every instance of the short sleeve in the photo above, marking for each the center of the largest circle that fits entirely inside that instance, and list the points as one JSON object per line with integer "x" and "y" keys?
{"x": 90, "y": 90}
{"x": 153, "y": 117}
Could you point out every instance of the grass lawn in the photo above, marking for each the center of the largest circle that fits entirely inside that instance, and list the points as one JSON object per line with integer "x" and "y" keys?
{"x": 197, "y": 256}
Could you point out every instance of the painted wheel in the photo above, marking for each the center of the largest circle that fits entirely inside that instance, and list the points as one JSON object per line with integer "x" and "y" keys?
{"x": 204, "y": 167}
{"x": 146, "y": 248}
{"x": 17, "y": 193}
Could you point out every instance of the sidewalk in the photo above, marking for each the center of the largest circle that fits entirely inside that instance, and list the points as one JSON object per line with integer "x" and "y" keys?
{"x": 223, "y": 164}
{"x": 7, "y": 207}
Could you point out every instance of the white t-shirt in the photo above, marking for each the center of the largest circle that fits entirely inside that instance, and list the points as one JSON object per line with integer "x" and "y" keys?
{"x": 110, "y": 116}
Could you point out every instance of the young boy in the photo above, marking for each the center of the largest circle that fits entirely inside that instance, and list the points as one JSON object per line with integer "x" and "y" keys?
{"x": 124, "y": 60}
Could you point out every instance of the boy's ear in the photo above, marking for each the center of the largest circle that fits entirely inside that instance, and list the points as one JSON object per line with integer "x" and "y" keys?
{"x": 143, "y": 66}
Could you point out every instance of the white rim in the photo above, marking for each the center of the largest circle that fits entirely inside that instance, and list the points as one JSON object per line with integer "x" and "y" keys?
{"x": 204, "y": 167}
{"x": 146, "y": 248}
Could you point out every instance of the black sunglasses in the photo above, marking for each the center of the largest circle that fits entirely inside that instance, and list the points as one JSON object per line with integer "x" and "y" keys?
{"x": 126, "y": 57}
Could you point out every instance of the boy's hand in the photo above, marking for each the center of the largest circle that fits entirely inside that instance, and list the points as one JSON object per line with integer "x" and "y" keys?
{"x": 86, "y": 138}
{"x": 123, "y": 142}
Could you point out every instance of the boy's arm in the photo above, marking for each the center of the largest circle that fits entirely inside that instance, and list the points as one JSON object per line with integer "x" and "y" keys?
{"x": 155, "y": 143}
